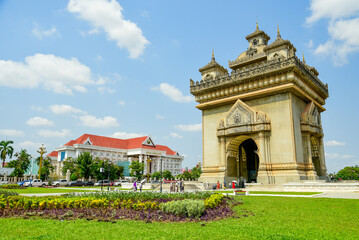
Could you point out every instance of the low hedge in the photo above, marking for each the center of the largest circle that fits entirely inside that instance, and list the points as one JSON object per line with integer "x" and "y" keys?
{"x": 10, "y": 186}
{"x": 187, "y": 207}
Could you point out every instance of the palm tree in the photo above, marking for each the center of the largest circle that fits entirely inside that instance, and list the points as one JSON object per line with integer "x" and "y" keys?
{"x": 6, "y": 150}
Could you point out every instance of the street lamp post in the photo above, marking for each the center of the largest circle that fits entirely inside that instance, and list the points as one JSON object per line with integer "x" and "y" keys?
{"x": 101, "y": 171}
{"x": 148, "y": 169}
{"x": 108, "y": 175}
{"x": 161, "y": 174}
{"x": 42, "y": 151}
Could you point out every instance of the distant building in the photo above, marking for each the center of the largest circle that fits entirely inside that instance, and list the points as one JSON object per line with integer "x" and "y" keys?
{"x": 121, "y": 152}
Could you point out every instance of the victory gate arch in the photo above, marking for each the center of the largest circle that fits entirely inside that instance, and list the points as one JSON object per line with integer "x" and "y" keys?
{"x": 262, "y": 122}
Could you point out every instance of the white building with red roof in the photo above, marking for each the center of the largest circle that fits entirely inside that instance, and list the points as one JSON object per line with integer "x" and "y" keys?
{"x": 121, "y": 152}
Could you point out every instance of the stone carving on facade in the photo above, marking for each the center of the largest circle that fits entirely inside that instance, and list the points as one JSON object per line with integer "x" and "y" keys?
{"x": 242, "y": 119}
{"x": 310, "y": 120}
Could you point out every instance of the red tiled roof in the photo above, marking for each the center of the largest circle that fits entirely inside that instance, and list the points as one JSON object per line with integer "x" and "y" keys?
{"x": 53, "y": 154}
{"x": 109, "y": 142}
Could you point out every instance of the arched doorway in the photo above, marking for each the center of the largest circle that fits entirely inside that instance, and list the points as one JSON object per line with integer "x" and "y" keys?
{"x": 248, "y": 160}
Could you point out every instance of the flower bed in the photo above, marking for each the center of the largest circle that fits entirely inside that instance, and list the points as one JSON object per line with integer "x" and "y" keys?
{"x": 173, "y": 208}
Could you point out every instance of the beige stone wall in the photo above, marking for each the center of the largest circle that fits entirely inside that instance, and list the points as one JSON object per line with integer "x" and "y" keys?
{"x": 211, "y": 151}
{"x": 277, "y": 108}
{"x": 298, "y": 106}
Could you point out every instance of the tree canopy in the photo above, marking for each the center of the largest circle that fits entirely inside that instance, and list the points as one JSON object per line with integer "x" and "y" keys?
{"x": 348, "y": 173}
{"x": 137, "y": 169}
{"x": 21, "y": 163}
{"x": 6, "y": 150}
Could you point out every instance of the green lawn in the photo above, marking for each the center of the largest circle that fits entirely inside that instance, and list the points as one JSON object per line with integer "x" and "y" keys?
{"x": 274, "y": 218}
{"x": 277, "y": 193}
{"x": 43, "y": 190}
{"x": 284, "y": 193}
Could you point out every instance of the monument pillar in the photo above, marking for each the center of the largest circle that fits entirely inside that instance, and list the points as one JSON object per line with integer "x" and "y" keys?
{"x": 264, "y": 171}
{"x": 307, "y": 152}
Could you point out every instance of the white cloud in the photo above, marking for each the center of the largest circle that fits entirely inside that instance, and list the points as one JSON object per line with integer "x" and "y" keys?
{"x": 104, "y": 90}
{"x": 39, "y": 121}
{"x": 175, "y": 135}
{"x": 125, "y": 135}
{"x": 122, "y": 103}
{"x": 11, "y": 133}
{"x": 40, "y": 33}
{"x": 144, "y": 14}
{"x": 29, "y": 144}
{"x": 332, "y": 9}
{"x": 37, "y": 108}
{"x": 173, "y": 93}
{"x": 158, "y": 116}
{"x": 310, "y": 44}
{"x": 65, "y": 109}
{"x": 343, "y": 28}
{"x": 189, "y": 127}
{"x": 338, "y": 156}
{"x": 92, "y": 121}
{"x": 49, "y": 133}
{"x": 334, "y": 143}
{"x": 53, "y": 73}
{"x": 107, "y": 16}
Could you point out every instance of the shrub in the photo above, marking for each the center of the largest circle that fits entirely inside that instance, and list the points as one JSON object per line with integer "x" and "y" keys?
{"x": 213, "y": 200}
{"x": 187, "y": 207}
{"x": 5, "y": 193}
{"x": 10, "y": 186}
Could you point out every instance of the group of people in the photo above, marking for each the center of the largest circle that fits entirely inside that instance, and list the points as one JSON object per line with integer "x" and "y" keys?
{"x": 135, "y": 185}
{"x": 177, "y": 186}
{"x": 240, "y": 184}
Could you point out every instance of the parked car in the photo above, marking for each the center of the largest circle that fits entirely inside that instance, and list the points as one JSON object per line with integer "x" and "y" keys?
{"x": 76, "y": 183}
{"x": 3, "y": 182}
{"x": 119, "y": 183}
{"x": 22, "y": 182}
{"x": 36, "y": 183}
{"x": 89, "y": 183}
{"x": 62, "y": 182}
{"x": 102, "y": 183}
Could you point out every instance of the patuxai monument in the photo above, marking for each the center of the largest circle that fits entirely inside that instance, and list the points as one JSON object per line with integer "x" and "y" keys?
{"x": 262, "y": 121}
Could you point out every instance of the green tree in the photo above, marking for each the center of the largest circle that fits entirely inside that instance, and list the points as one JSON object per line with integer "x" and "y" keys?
{"x": 179, "y": 176}
{"x": 111, "y": 171}
{"x": 69, "y": 164}
{"x": 84, "y": 165}
{"x": 137, "y": 169}
{"x": 21, "y": 163}
{"x": 167, "y": 174}
{"x": 348, "y": 173}
{"x": 196, "y": 172}
{"x": 46, "y": 167}
{"x": 6, "y": 150}
{"x": 156, "y": 175}
{"x": 186, "y": 174}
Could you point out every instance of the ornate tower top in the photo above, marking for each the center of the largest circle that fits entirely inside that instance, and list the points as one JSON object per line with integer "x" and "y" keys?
{"x": 212, "y": 70}
{"x": 259, "y": 61}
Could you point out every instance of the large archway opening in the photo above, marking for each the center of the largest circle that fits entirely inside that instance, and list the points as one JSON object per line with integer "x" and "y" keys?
{"x": 248, "y": 160}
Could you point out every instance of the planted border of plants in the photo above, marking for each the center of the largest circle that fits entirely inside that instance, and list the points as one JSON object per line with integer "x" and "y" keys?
{"x": 147, "y": 206}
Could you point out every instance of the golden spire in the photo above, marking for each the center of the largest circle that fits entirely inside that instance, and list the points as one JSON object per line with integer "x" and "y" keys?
{"x": 213, "y": 54}
{"x": 303, "y": 58}
{"x": 257, "y": 24}
{"x": 278, "y": 34}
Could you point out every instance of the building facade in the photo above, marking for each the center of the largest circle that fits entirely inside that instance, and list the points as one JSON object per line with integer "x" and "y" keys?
{"x": 121, "y": 152}
{"x": 262, "y": 122}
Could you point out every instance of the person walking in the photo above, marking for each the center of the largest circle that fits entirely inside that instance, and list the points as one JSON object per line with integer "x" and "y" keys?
{"x": 135, "y": 186}
{"x": 224, "y": 185}
{"x": 218, "y": 185}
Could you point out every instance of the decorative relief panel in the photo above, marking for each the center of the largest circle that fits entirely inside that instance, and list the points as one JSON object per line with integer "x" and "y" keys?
{"x": 242, "y": 119}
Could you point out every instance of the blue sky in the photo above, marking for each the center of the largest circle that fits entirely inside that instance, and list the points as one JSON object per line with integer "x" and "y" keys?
{"x": 102, "y": 67}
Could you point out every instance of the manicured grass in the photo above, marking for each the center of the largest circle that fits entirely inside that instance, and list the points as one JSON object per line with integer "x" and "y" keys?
{"x": 276, "y": 193}
{"x": 43, "y": 190}
{"x": 274, "y": 218}
{"x": 284, "y": 193}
